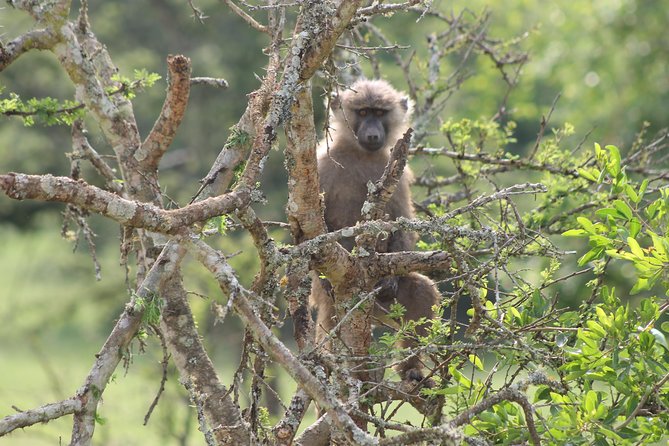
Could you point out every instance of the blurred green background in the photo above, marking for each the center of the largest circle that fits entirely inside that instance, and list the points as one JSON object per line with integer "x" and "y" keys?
{"x": 607, "y": 58}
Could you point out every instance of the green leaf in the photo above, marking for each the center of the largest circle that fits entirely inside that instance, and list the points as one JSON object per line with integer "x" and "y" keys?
{"x": 596, "y": 328}
{"x": 460, "y": 378}
{"x": 613, "y": 166}
{"x": 608, "y": 212}
{"x": 631, "y": 194}
{"x": 589, "y": 174}
{"x": 642, "y": 188}
{"x": 610, "y": 434}
{"x": 659, "y": 337}
{"x": 598, "y": 151}
{"x": 586, "y": 224}
{"x": 474, "y": 359}
{"x": 600, "y": 240}
{"x": 635, "y": 226}
{"x": 653, "y": 208}
{"x": 640, "y": 285}
{"x": 593, "y": 254}
{"x": 646, "y": 341}
{"x": 604, "y": 319}
{"x": 574, "y": 233}
{"x": 660, "y": 246}
{"x": 590, "y": 401}
{"x": 635, "y": 248}
{"x": 614, "y": 253}
{"x": 623, "y": 208}
{"x": 454, "y": 390}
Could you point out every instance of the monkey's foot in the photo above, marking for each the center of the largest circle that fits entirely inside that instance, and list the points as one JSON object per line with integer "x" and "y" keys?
{"x": 388, "y": 291}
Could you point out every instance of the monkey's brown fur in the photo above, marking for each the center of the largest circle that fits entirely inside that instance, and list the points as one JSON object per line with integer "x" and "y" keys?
{"x": 367, "y": 121}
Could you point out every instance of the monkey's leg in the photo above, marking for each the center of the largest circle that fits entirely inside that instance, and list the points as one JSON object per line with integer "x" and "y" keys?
{"x": 417, "y": 294}
{"x": 322, "y": 299}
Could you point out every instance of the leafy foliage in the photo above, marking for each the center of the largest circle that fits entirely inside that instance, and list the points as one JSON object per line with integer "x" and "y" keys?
{"x": 130, "y": 87}
{"x": 601, "y": 370}
{"x": 45, "y": 111}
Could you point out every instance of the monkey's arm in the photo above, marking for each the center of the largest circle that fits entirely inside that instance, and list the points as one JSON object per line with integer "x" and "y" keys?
{"x": 402, "y": 241}
{"x": 400, "y": 205}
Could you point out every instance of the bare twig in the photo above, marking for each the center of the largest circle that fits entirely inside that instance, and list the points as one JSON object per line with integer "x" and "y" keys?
{"x": 542, "y": 128}
{"x": 164, "y": 363}
{"x": 80, "y": 142}
{"x": 246, "y": 17}
{"x": 210, "y": 82}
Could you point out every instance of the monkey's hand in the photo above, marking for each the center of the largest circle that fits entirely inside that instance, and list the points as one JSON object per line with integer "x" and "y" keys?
{"x": 414, "y": 377}
{"x": 388, "y": 291}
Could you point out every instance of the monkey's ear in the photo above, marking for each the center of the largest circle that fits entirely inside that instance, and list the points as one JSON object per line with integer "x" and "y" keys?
{"x": 335, "y": 102}
{"x": 404, "y": 103}
{"x": 407, "y": 106}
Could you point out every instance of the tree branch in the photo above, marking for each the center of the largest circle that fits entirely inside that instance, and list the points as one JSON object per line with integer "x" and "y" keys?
{"x": 222, "y": 415}
{"x": 210, "y": 82}
{"x": 384, "y": 188}
{"x": 37, "y": 39}
{"x": 304, "y": 195}
{"x": 218, "y": 266}
{"x": 80, "y": 142}
{"x": 117, "y": 343}
{"x": 247, "y": 18}
{"x": 165, "y": 128}
{"x": 42, "y": 414}
{"x": 126, "y": 212}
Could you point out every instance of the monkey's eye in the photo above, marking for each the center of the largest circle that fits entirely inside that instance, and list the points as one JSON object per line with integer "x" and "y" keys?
{"x": 379, "y": 112}
{"x": 362, "y": 113}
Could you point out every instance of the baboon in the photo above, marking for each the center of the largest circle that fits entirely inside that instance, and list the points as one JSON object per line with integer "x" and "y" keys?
{"x": 366, "y": 122}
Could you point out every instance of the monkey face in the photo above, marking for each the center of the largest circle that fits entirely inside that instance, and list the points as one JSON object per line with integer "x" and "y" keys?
{"x": 370, "y": 128}
{"x": 369, "y": 116}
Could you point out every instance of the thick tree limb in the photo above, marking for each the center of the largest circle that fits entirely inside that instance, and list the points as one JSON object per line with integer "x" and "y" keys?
{"x": 318, "y": 434}
{"x": 285, "y": 430}
{"x": 315, "y": 17}
{"x": 304, "y": 195}
{"x": 37, "y": 39}
{"x": 165, "y": 128}
{"x": 126, "y": 212}
{"x": 223, "y": 416}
